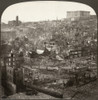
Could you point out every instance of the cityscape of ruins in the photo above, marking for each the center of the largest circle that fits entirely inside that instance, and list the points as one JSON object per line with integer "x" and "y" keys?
{"x": 50, "y": 59}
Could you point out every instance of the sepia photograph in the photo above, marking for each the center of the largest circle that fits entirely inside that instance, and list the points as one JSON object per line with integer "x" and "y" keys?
{"x": 49, "y": 51}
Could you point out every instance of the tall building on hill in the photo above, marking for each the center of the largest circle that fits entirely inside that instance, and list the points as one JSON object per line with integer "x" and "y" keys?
{"x": 74, "y": 15}
{"x": 15, "y": 22}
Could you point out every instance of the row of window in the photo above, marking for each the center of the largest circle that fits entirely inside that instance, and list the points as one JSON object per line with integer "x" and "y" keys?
{"x": 11, "y": 59}
{"x": 10, "y": 64}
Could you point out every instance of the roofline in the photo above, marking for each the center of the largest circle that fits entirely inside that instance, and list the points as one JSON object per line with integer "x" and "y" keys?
{"x": 78, "y": 11}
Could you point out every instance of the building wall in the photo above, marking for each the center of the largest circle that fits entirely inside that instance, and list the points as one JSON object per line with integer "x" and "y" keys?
{"x": 10, "y": 65}
{"x": 14, "y": 23}
{"x": 78, "y": 14}
{"x": 9, "y": 74}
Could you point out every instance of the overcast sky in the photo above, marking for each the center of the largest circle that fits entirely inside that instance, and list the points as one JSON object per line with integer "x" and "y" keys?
{"x": 42, "y": 10}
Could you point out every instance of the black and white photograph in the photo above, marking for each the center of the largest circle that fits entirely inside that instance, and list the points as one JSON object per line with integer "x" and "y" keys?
{"x": 49, "y": 51}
